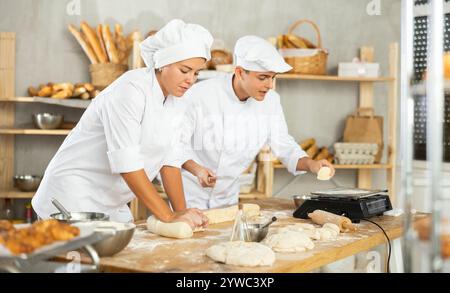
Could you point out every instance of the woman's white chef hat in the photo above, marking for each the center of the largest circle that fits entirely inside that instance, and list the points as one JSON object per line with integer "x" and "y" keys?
{"x": 256, "y": 54}
{"x": 176, "y": 41}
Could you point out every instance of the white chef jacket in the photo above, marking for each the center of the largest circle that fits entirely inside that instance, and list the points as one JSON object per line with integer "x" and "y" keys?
{"x": 130, "y": 126}
{"x": 224, "y": 134}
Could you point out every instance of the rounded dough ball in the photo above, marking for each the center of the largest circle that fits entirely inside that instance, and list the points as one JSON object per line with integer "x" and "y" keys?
{"x": 289, "y": 241}
{"x": 333, "y": 227}
{"x": 324, "y": 173}
{"x": 239, "y": 253}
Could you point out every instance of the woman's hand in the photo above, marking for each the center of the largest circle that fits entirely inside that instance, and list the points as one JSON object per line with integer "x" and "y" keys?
{"x": 193, "y": 217}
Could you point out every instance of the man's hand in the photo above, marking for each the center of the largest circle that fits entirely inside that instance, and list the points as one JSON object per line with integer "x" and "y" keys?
{"x": 315, "y": 166}
{"x": 205, "y": 177}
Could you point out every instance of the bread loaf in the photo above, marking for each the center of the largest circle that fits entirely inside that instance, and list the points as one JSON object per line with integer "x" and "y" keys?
{"x": 32, "y": 92}
{"x": 45, "y": 91}
{"x": 102, "y": 42}
{"x": 109, "y": 43}
{"x": 305, "y": 145}
{"x": 84, "y": 45}
{"x": 312, "y": 151}
{"x": 323, "y": 154}
{"x": 64, "y": 94}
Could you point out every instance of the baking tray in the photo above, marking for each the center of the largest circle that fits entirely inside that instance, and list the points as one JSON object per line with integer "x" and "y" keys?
{"x": 87, "y": 236}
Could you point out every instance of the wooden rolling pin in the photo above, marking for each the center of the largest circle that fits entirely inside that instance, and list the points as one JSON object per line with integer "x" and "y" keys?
{"x": 323, "y": 217}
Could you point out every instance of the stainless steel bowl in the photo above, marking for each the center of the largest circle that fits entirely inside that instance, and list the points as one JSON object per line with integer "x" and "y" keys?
{"x": 27, "y": 183}
{"x": 300, "y": 199}
{"x": 48, "y": 120}
{"x": 76, "y": 217}
{"x": 256, "y": 233}
{"x": 121, "y": 235}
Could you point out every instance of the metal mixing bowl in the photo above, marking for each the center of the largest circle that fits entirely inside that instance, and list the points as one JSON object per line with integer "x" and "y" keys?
{"x": 256, "y": 233}
{"x": 27, "y": 183}
{"x": 48, "y": 120}
{"x": 121, "y": 235}
{"x": 77, "y": 217}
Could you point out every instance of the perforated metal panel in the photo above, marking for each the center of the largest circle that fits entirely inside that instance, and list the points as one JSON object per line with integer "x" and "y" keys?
{"x": 420, "y": 66}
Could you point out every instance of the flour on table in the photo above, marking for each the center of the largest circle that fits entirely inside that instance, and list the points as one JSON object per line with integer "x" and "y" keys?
{"x": 239, "y": 253}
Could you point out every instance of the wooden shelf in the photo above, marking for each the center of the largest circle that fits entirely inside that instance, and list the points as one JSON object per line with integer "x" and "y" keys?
{"x": 16, "y": 194}
{"x": 350, "y": 167}
{"x": 19, "y": 131}
{"x": 334, "y": 78}
{"x": 72, "y": 103}
{"x": 252, "y": 195}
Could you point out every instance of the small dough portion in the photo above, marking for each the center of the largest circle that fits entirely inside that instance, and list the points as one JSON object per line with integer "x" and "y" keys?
{"x": 289, "y": 241}
{"x": 228, "y": 214}
{"x": 178, "y": 230}
{"x": 324, "y": 174}
{"x": 327, "y": 232}
{"x": 239, "y": 253}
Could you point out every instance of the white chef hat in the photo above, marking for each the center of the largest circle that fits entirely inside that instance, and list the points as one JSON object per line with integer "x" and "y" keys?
{"x": 256, "y": 54}
{"x": 175, "y": 42}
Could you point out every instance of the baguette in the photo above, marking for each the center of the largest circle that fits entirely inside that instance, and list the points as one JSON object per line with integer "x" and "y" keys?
{"x": 330, "y": 158}
{"x": 62, "y": 86}
{"x": 85, "y": 96}
{"x": 121, "y": 44}
{"x": 312, "y": 151}
{"x": 32, "y": 92}
{"x": 94, "y": 93}
{"x": 45, "y": 91}
{"x": 84, "y": 45}
{"x": 296, "y": 42}
{"x": 89, "y": 87}
{"x": 323, "y": 154}
{"x": 305, "y": 145}
{"x": 109, "y": 43}
{"x": 102, "y": 42}
{"x": 79, "y": 91}
{"x": 308, "y": 43}
{"x": 64, "y": 94}
{"x": 93, "y": 41}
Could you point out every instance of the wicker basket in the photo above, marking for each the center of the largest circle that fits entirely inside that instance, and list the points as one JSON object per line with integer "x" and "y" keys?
{"x": 103, "y": 74}
{"x": 307, "y": 61}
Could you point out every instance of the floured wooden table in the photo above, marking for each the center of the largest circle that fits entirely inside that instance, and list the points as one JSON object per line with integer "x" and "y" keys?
{"x": 150, "y": 253}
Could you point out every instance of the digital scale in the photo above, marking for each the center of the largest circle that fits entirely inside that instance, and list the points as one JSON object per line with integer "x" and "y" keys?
{"x": 355, "y": 204}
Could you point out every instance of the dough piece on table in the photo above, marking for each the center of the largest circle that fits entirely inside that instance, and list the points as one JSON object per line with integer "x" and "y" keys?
{"x": 307, "y": 229}
{"x": 289, "y": 241}
{"x": 228, "y": 214}
{"x": 335, "y": 228}
{"x": 239, "y": 253}
{"x": 329, "y": 231}
{"x": 172, "y": 230}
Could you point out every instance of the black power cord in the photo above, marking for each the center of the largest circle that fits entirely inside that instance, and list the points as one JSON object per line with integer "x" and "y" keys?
{"x": 388, "y": 270}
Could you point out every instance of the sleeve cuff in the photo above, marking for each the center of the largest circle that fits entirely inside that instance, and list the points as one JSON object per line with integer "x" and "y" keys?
{"x": 126, "y": 160}
{"x": 293, "y": 161}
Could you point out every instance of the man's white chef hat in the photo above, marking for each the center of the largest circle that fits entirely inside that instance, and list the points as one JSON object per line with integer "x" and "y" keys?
{"x": 256, "y": 54}
{"x": 176, "y": 41}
